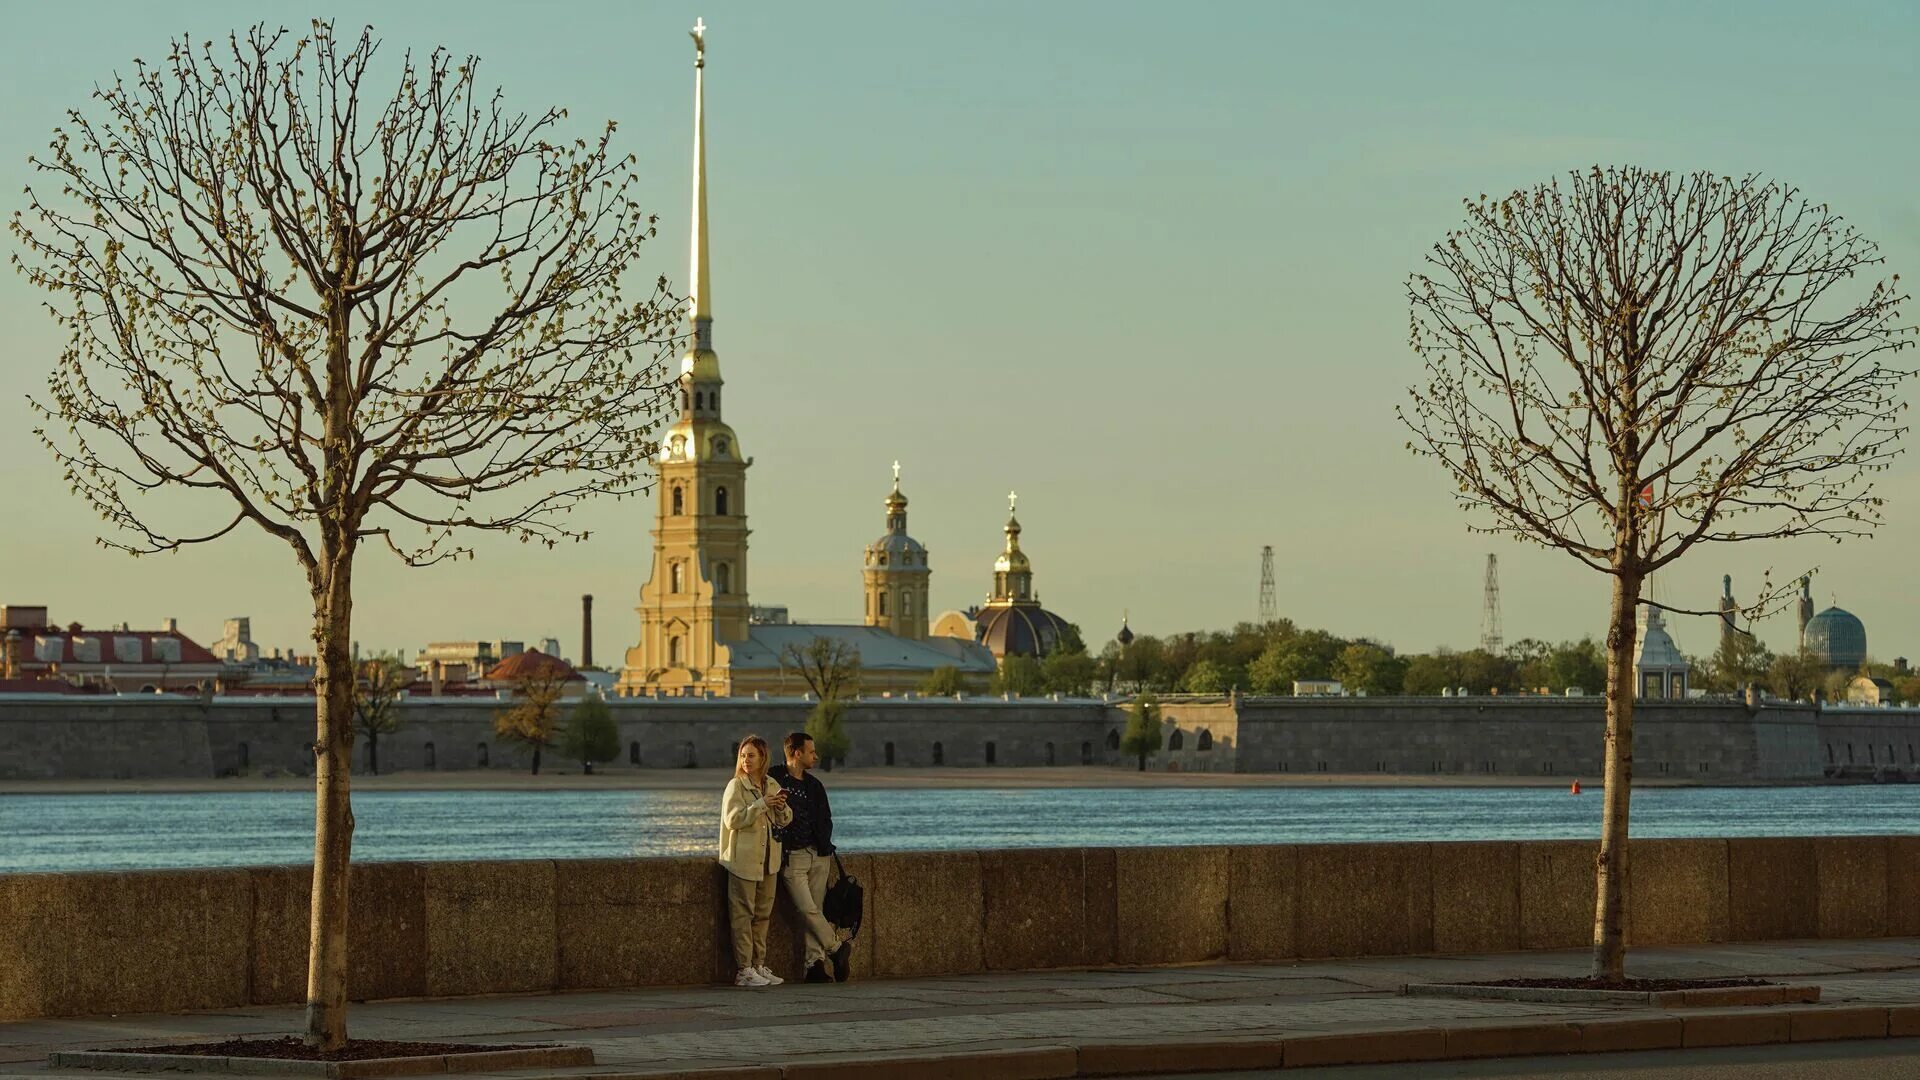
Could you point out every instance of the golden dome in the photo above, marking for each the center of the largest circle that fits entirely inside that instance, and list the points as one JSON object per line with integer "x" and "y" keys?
{"x": 1012, "y": 558}
{"x": 702, "y": 364}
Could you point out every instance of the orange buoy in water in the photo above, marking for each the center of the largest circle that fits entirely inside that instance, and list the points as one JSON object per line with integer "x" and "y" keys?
{"x": 1576, "y": 788}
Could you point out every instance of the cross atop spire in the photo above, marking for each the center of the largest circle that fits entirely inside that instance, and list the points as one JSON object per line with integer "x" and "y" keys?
{"x": 1011, "y": 500}
{"x": 699, "y": 302}
{"x": 896, "y": 476}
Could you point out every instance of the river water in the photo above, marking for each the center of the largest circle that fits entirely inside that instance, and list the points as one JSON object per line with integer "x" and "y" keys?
{"x": 114, "y": 831}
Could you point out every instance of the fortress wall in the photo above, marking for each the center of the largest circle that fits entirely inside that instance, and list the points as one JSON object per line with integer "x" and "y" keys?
{"x": 1863, "y": 739}
{"x": 139, "y": 737}
{"x": 1699, "y": 741}
{"x": 81, "y": 944}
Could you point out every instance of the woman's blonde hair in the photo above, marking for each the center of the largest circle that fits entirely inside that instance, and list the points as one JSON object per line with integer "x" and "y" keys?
{"x": 757, "y": 743}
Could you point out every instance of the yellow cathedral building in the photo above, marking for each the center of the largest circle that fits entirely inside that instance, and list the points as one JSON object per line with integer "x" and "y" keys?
{"x": 698, "y": 633}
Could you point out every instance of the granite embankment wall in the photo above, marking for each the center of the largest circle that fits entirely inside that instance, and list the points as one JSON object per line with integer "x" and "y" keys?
{"x": 131, "y": 737}
{"x": 167, "y": 941}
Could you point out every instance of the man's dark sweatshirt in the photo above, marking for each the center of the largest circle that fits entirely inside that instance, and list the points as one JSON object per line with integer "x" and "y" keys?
{"x": 812, "y": 825}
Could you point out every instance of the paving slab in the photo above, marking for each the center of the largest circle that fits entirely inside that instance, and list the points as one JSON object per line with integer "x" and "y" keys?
{"x": 1036, "y": 1023}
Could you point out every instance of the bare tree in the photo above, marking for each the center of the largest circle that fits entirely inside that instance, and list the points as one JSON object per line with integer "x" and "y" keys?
{"x": 534, "y": 719}
{"x": 1635, "y": 363}
{"x": 830, "y": 667}
{"x": 341, "y": 316}
{"x": 376, "y": 702}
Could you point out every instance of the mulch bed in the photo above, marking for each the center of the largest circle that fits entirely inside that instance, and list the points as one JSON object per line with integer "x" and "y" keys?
{"x": 294, "y": 1049}
{"x": 1638, "y": 986}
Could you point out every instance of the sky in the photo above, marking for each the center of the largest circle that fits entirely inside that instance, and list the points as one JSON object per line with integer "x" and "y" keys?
{"x": 1142, "y": 263}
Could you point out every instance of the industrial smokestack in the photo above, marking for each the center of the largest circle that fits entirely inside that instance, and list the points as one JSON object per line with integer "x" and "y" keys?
{"x": 586, "y": 630}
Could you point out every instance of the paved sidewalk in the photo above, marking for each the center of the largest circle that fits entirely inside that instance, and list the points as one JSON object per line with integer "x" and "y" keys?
{"x": 1138, "y": 1019}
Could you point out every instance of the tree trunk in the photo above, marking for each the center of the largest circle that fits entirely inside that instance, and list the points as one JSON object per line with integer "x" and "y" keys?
{"x": 1609, "y": 919}
{"x": 536, "y": 760}
{"x": 333, "y": 808}
{"x": 373, "y": 752}
{"x": 1143, "y": 763}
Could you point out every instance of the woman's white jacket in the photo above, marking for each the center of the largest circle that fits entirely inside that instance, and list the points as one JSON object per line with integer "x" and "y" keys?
{"x": 747, "y": 847}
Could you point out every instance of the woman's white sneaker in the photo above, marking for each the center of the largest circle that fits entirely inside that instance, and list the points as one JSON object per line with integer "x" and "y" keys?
{"x": 766, "y": 973}
{"x": 749, "y": 977}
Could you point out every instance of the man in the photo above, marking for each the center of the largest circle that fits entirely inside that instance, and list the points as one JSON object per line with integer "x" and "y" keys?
{"x": 806, "y": 846}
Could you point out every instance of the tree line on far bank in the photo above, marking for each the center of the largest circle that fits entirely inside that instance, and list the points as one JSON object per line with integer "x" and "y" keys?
{"x": 1268, "y": 659}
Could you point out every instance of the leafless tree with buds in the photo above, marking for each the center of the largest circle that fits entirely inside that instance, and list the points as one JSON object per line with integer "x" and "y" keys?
{"x": 341, "y": 314}
{"x": 1629, "y": 364}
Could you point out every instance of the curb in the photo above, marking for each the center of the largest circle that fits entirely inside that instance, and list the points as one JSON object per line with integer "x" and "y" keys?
{"x": 1704, "y": 998}
{"x": 1454, "y": 1043}
{"x": 546, "y": 1057}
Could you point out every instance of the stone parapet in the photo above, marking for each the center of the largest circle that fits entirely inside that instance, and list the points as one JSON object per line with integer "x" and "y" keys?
{"x": 173, "y": 940}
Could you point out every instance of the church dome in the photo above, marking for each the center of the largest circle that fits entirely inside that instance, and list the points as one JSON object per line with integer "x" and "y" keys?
{"x": 1012, "y": 559}
{"x": 1019, "y": 629}
{"x": 896, "y": 544}
{"x": 1837, "y": 637}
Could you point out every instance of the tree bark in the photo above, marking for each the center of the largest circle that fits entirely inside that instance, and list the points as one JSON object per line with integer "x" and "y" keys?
{"x": 536, "y": 759}
{"x": 1143, "y": 763}
{"x": 333, "y": 807}
{"x": 1609, "y": 937}
{"x": 373, "y": 752}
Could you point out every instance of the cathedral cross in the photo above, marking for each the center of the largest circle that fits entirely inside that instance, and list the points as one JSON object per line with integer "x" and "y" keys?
{"x": 1011, "y": 500}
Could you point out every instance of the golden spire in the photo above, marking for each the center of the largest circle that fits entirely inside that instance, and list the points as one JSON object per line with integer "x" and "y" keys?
{"x": 700, "y": 302}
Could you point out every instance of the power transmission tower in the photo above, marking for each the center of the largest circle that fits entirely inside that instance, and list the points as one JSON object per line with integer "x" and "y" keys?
{"x": 1490, "y": 637}
{"x": 1269, "y": 599}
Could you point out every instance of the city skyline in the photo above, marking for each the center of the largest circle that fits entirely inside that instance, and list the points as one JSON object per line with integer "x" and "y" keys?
{"x": 984, "y": 349}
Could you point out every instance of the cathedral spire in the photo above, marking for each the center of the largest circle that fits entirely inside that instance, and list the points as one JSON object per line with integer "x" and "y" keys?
{"x": 699, "y": 302}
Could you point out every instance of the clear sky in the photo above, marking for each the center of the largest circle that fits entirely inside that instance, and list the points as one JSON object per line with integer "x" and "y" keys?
{"x": 1141, "y": 262}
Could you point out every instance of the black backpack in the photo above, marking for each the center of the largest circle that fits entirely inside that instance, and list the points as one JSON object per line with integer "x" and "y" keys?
{"x": 845, "y": 901}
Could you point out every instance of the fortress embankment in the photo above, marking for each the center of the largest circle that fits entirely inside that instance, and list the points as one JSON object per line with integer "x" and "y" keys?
{"x": 1709, "y": 742}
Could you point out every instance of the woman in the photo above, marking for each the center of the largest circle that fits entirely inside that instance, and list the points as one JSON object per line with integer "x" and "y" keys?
{"x": 752, "y": 806}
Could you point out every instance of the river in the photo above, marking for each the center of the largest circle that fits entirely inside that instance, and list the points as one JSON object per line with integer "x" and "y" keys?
{"x": 45, "y": 832}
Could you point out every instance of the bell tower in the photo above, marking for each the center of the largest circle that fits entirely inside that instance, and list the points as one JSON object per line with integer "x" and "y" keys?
{"x": 695, "y": 600}
{"x": 896, "y": 574}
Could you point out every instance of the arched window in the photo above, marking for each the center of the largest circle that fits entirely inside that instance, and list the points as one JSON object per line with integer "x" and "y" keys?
{"x": 676, "y": 648}
{"x": 906, "y": 603}
{"x": 685, "y": 399}
{"x": 432, "y": 761}
{"x": 939, "y": 754}
{"x": 1205, "y": 741}
{"x": 483, "y": 755}
{"x": 989, "y": 752}
{"x": 720, "y": 500}
{"x": 883, "y": 604}
{"x": 679, "y": 501}
{"x": 699, "y": 401}
{"x": 1113, "y": 739}
{"x": 1176, "y": 740}
{"x": 676, "y": 577}
{"x": 889, "y": 753}
{"x": 713, "y": 399}
{"x": 722, "y": 578}
{"x": 1086, "y": 753}
{"x": 633, "y": 752}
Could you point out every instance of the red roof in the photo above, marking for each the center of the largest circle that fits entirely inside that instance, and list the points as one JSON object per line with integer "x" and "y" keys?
{"x": 191, "y": 651}
{"x": 532, "y": 664}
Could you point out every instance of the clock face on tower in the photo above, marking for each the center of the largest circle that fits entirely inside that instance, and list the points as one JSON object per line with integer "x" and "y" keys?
{"x": 720, "y": 446}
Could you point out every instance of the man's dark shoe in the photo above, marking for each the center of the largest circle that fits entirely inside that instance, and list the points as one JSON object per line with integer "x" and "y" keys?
{"x": 818, "y": 973}
{"x": 841, "y": 958}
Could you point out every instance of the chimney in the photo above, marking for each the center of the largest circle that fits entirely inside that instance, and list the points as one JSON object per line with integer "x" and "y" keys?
{"x": 586, "y": 631}
{"x": 170, "y": 626}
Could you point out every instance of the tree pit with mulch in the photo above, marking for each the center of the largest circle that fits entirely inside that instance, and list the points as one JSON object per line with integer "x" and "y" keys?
{"x": 1632, "y": 985}
{"x": 290, "y": 1048}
